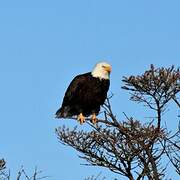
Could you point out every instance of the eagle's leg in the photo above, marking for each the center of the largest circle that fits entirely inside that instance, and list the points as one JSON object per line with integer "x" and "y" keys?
{"x": 81, "y": 118}
{"x": 94, "y": 118}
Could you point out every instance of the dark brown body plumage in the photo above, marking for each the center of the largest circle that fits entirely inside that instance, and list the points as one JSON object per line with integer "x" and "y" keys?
{"x": 85, "y": 95}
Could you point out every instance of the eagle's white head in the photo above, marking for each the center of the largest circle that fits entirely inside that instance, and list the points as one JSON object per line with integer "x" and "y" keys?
{"x": 101, "y": 70}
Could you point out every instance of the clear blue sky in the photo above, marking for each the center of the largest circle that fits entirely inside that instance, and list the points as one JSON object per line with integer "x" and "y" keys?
{"x": 43, "y": 44}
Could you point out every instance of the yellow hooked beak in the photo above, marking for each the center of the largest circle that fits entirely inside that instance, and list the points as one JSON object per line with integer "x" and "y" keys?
{"x": 108, "y": 69}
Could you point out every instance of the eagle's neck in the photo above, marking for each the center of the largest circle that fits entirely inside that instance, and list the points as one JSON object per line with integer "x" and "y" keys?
{"x": 100, "y": 74}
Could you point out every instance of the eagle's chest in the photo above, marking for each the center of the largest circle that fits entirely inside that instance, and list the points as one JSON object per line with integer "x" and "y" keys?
{"x": 95, "y": 85}
{"x": 95, "y": 91}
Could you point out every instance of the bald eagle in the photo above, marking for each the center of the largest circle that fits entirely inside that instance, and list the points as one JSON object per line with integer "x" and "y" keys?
{"x": 86, "y": 93}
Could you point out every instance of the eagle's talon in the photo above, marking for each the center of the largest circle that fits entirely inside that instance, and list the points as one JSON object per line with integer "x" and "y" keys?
{"x": 94, "y": 119}
{"x": 81, "y": 118}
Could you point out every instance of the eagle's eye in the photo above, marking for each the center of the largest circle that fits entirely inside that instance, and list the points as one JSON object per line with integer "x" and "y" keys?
{"x": 103, "y": 66}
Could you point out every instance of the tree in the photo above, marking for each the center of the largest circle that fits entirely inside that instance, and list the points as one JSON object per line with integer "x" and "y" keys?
{"x": 21, "y": 174}
{"x": 129, "y": 147}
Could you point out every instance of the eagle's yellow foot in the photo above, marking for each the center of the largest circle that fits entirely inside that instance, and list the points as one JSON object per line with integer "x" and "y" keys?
{"x": 94, "y": 119}
{"x": 81, "y": 118}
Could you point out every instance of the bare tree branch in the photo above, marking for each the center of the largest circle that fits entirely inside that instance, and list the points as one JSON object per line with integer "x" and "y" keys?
{"x": 21, "y": 175}
{"x": 128, "y": 147}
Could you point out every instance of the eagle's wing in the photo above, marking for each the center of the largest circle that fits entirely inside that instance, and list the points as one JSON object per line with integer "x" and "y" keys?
{"x": 72, "y": 94}
{"x": 75, "y": 89}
